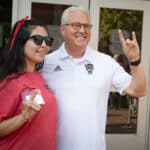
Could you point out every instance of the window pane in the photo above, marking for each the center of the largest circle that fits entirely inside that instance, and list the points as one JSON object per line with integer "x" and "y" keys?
{"x": 51, "y": 15}
{"x": 122, "y": 110}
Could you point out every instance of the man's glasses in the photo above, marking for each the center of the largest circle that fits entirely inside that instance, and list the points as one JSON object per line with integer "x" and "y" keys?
{"x": 38, "y": 39}
{"x": 77, "y": 26}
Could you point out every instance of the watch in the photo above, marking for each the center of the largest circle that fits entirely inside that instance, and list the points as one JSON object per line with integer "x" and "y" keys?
{"x": 135, "y": 63}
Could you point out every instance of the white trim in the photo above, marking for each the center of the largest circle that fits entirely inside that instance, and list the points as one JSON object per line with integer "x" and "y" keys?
{"x": 14, "y": 11}
{"x": 146, "y": 64}
{"x": 127, "y": 141}
{"x": 126, "y": 4}
{"x": 22, "y": 8}
{"x": 141, "y": 140}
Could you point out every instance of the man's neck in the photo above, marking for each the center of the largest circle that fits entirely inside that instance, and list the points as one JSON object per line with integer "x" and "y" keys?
{"x": 75, "y": 52}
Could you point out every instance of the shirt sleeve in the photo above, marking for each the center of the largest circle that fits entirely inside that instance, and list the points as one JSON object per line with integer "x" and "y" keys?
{"x": 121, "y": 79}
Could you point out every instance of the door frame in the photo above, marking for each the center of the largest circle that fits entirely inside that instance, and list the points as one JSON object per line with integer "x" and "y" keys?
{"x": 21, "y": 8}
{"x": 140, "y": 140}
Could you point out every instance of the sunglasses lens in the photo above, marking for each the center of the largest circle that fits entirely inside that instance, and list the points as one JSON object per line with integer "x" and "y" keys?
{"x": 48, "y": 41}
{"x": 38, "y": 40}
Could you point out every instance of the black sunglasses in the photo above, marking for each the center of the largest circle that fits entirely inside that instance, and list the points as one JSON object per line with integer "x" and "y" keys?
{"x": 38, "y": 39}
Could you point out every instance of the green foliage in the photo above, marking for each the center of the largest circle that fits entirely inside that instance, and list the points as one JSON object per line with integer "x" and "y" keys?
{"x": 130, "y": 20}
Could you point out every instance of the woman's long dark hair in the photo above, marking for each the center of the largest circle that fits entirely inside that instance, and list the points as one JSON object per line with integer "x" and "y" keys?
{"x": 15, "y": 64}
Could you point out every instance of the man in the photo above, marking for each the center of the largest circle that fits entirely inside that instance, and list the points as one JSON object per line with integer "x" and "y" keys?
{"x": 81, "y": 79}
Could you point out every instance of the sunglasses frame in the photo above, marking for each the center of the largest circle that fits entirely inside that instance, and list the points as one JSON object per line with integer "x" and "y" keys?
{"x": 38, "y": 40}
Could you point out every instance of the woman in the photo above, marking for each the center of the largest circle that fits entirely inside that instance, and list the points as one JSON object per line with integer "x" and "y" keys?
{"x": 28, "y": 107}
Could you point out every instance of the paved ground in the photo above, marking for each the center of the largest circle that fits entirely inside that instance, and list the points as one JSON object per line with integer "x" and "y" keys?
{"x": 118, "y": 121}
{"x": 117, "y": 116}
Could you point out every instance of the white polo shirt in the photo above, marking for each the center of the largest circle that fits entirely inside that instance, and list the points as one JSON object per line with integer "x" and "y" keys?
{"x": 82, "y": 88}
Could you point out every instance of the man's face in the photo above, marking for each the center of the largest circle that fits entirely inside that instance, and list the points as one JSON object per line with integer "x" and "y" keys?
{"x": 77, "y": 30}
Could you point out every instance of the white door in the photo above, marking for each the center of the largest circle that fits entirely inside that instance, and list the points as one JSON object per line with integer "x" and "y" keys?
{"x": 32, "y": 8}
{"x": 136, "y": 140}
{"x": 23, "y": 8}
{"x": 49, "y": 11}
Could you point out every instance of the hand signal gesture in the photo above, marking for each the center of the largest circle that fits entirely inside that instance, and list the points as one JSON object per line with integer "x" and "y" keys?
{"x": 130, "y": 47}
{"x": 30, "y": 108}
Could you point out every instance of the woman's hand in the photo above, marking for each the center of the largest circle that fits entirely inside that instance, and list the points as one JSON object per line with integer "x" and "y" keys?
{"x": 30, "y": 108}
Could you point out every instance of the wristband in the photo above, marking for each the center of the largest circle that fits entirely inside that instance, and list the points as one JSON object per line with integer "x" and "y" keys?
{"x": 135, "y": 63}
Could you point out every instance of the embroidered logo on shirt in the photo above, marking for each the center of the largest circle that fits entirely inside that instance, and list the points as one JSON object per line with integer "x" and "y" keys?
{"x": 89, "y": 67}
{"x": 58, "y": 68}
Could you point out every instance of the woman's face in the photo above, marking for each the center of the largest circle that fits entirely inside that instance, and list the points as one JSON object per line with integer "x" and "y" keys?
{"x": 35, "y": 48}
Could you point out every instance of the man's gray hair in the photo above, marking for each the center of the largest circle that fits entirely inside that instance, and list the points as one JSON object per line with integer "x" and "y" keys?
{"x": 64, "y": 17}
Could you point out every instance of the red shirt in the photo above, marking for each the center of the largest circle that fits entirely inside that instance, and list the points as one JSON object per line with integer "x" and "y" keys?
{"x": 39, "y": 133}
